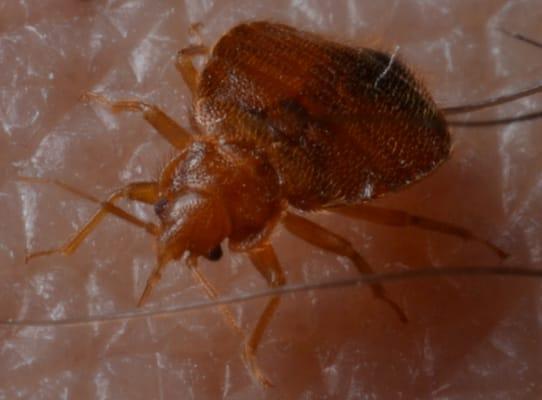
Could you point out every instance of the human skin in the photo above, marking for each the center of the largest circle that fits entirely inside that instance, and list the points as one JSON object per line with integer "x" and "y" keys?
{"x": 467, "y": 338}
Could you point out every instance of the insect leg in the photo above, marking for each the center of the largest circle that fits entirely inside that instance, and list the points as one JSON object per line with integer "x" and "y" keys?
{"x": 185, "y": 66}
{"x": 194, "y": 32}
{"x": 153, "y": 279}
{"x": 391, "y": 217}
{"x": 176, "y": 135}
{"x": 140, "y": 191}
{"x": 266, "y": 262}
{"x": 327, "y": 240}
{"x": 212, "y": 293}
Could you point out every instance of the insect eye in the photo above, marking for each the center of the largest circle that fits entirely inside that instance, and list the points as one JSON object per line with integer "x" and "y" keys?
{"x": 215, "y": 254}
{"x": 160, "y": 205}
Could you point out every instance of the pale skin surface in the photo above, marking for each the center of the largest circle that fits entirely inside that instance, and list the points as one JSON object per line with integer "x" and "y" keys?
{"x": 473, "y": 336}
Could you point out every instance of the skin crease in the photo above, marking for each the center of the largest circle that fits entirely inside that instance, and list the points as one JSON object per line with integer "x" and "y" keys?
{"x": 466, "y": 339}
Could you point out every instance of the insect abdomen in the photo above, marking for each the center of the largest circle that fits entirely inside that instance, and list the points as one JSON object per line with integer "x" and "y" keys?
{"x": 339, "y": 124}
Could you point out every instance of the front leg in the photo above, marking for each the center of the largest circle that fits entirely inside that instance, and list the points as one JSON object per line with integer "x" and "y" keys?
{"x": 145, "y": 192}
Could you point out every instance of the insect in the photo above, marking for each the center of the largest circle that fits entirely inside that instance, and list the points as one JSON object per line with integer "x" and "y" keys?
{"x": 288, "y": 122}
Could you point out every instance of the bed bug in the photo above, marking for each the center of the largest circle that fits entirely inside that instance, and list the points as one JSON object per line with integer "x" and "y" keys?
{"x": 288, "y": 122}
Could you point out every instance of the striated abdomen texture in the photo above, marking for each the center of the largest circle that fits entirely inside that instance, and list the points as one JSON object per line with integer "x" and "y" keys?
{"x": 339, "y": 124}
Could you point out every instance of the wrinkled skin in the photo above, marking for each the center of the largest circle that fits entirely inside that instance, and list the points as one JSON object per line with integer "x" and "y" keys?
{"x": 466, "y": 339}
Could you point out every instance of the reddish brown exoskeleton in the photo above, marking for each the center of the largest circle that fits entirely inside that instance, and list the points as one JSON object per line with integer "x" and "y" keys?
{"x": 289, "y": 122}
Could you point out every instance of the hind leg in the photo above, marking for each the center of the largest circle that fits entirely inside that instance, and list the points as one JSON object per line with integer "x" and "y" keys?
{"x": 397, "y": 218}
{"x": 327, "y": 240}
